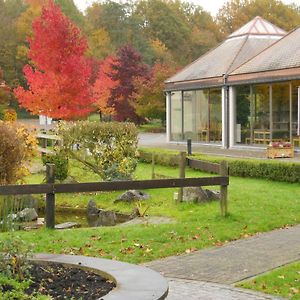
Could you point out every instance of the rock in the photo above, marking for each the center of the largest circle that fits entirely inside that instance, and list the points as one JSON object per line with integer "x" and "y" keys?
{"x": 133, "y": 195}
{"x": 197, "y": 194}
{"x": 92, "y": 208}
{"x": 148, "y": 221}
{"x": 212, "y": 195}
{"x": 194, "y": 194}
{"x": 27, "y": 215}
{"x": 67, "y": 225}
{"x": 99, "y": 217}
{"x": 107, "y": 218}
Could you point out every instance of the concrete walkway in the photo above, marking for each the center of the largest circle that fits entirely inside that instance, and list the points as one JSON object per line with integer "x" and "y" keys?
{"x": 158, "y": 140}
{"x": 229, "y": 264}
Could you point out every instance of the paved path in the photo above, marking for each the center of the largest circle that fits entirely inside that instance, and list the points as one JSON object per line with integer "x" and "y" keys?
{"x": 182, "y": 289}
{"x": 158, "y": 140}
{"x": 236, "y": 260}
{"x": 200, "y": 274}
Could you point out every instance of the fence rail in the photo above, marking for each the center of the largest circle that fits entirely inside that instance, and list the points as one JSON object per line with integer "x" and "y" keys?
{"x": 110, "y": 186}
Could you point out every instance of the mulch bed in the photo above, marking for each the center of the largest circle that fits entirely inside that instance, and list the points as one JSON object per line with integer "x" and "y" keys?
{"x": 61, "y": 282}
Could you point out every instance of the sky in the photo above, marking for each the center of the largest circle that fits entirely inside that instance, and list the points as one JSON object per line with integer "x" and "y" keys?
{"x": 209, "y": 5}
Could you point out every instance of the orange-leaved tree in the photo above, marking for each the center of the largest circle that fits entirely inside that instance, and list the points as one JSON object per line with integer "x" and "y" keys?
{"x": 59, "y": 78}
{"x": 103, "y": 87}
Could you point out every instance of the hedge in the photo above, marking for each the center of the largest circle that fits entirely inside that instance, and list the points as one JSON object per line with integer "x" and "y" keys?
{"x": 272, "y": 170}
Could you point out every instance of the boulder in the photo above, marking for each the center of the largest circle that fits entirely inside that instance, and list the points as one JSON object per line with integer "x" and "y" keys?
{"x": 199, "y": 195}
{"x": 27, "y": 215}
{"x": 133, "y": 195}
{"x": 92, "y": 208}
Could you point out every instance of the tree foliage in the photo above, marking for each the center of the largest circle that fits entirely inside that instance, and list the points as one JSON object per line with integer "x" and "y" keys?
{"x": 103, "y": 87}
{"x": 150, "y": 98}
{"x": 126, "y": 68}
{"x": 236, "y": 13}
{"x": 59, "y": 81}
{"x": 17, "y": 148}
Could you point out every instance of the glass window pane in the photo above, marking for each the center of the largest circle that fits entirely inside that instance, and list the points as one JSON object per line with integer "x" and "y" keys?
{"x": 281, "y": 111}
{"x": 176, "y": 116}
{"x": 261, "y": 115}
{"x": 215, "y": 116}
{"x": 189, "y": 114}
{"x": 243, "y": 116}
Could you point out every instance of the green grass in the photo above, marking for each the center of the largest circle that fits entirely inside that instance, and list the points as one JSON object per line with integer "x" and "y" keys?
{"x": 255, "y": 205}
{"x": 284, "y": 282}
{"x": 153, "y": 126}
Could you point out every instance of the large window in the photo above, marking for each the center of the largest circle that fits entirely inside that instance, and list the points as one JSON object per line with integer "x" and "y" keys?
{"x": 243, "y": 116}
{"x": 202, "y": 116}
{"x": 281, "y": 111}
{"x": 176, "y": 116}
{"x": 295, "y": 103}
{"x": 189, "y": 115}
{"x": 266, "y": 113}
{"x": 215, "y": 115}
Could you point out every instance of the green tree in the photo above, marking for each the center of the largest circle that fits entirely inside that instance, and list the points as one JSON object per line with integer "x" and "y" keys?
{"x": 12, "y": 68}
{"x": 236, "y": 13}
{"x": 150, "y": 98}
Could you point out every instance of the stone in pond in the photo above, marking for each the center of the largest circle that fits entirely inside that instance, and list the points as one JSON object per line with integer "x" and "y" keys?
{"x": 27, "y": 215}
{"x": 67, "y": 225}
{"x": 133, "y": 195}
{"x": 198, "y": 195}
{"x": 92, "y": 208}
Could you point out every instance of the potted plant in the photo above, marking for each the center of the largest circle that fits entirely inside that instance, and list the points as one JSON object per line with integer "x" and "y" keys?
{"x": 280, "y": 150}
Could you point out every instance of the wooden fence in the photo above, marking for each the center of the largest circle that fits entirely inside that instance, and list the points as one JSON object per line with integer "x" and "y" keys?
{"x": 44, "y": 142}
{"x": 183, "y": 162}
{"x": 51, "y": 189}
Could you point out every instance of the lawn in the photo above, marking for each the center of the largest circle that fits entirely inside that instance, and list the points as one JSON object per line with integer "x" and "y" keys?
{"x": 284, "y": 282}
{"x": 255, "y": 205}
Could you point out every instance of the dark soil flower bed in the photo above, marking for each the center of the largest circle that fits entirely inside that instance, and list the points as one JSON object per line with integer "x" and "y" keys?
{"x": 61, "y": 282}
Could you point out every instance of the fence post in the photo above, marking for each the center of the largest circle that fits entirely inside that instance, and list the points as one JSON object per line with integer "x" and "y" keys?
{"x": 152, "y": 166}
{"x": 189, "y": 146}
{"x": 44, "y": 145}
{"x": 224, "y": 189}
{"x": 50, "y": 198}
{"x": 182, "y": 165}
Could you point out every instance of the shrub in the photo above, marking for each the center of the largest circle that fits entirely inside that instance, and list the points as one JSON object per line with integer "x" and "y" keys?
{"x": 272, "y": 170}
{"x": 108, "y": 149}
{"x": 17, "y": 147}
{"x": 61, "y": 163}
{"x": 14, "y": 254}
{"x": 10, "y": 115}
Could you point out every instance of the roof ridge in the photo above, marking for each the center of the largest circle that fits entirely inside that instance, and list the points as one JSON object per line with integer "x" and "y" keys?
{"x": 248, "y": 28}
{"x": 264, "y": 50}
{"x": 238, "y": 52}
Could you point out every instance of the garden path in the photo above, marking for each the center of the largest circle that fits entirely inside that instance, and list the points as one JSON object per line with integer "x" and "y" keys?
{"x": 228, "y": 264}
{"x": 158, "y": 140}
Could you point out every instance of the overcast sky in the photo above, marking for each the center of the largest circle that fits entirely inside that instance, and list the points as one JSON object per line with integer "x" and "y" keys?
{"x": 209, "y": 5}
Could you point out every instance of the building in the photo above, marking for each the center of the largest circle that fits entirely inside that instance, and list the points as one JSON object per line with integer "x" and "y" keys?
{"x": 244, "y": 92}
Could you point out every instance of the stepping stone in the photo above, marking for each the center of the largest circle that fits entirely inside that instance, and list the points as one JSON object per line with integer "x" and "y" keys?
{"x": 67, "y": 225}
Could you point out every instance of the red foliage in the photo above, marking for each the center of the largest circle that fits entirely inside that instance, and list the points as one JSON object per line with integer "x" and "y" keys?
{"x": 104, "y": 85}
{"x": 125, "y": 69}
{"x": 59, "y": 83}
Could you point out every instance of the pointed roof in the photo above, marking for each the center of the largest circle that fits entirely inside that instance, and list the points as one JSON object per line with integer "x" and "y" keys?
{"x": 284, "y": 54}
{"x": 258, "y": 26}
{"x": 238, "y": 48}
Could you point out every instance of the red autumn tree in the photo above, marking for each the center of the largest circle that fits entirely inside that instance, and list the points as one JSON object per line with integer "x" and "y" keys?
{"x": 150, "y": 99}
{"x": 103, "y": 87}
{"x": 59, "y": 82}
{"x": 126, "y": 68}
